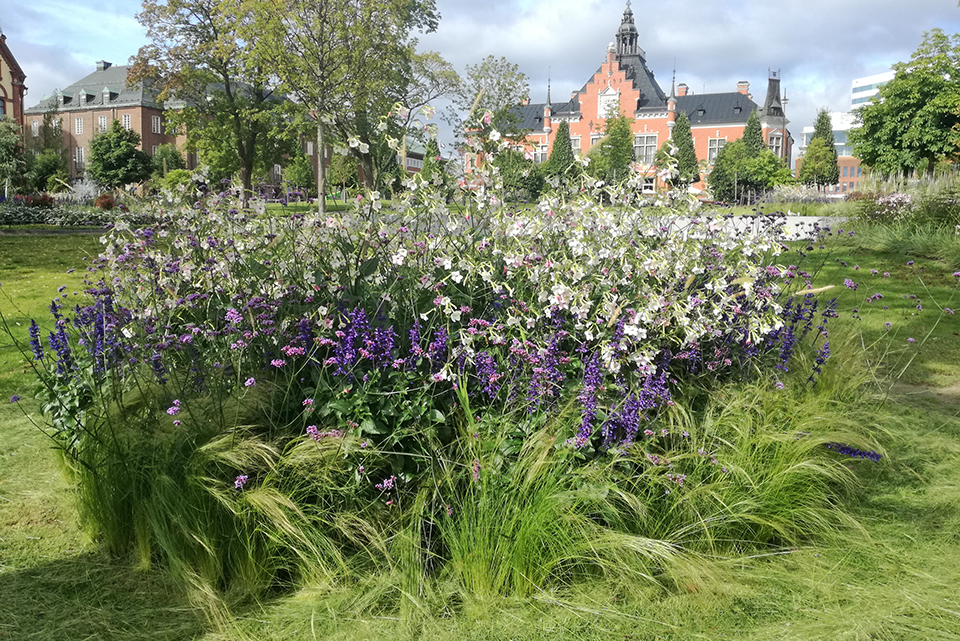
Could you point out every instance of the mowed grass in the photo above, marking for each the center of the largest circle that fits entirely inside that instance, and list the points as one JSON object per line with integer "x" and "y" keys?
{"x": 895, "y": 579}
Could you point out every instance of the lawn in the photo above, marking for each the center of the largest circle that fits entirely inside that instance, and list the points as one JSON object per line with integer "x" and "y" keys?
{"x": 895, "y": 578}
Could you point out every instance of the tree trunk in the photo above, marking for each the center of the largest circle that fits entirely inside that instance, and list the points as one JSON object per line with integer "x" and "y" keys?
{"x": 321, "y": 168}
{"x": 366, "y": 161}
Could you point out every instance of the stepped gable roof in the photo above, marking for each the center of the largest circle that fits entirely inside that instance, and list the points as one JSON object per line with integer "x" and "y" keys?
{"x": 651, "y": 95}
{"x": 107, "y": 86}
{"x": 717, "y": 108}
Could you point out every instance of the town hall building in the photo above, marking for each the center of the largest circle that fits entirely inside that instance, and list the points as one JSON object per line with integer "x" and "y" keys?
{"x": 625, "y": 82}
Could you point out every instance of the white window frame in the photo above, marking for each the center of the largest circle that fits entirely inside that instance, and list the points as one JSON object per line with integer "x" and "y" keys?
{"x": 575, "y": 144}
{"x": 309, "y": 148}
{"x": 645, "y": 147}
{"x": 714, "y": 145}
{"x": 155, "y": 125}
{"x": 35, "y": 128}
{"x": 775, "y": 143}
{"x": 541, "y": 153}
{"x": 127, "y": 122}
{"x": 594, "y": 139}
{"x": 78, "y": 126}
{"x": 101, "y": 124}
{"x": 78, "y": 159}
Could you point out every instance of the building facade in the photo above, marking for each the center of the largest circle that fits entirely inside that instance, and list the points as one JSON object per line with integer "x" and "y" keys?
{"x": 624, "y": 83}
{"x": 90, "y": 105}
{"x": 864, "y": 90}
{"x": 12, "y": 87}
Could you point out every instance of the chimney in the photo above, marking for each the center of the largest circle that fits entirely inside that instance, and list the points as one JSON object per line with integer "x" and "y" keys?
{"x": 682, "y": 89}
{"x": 743, "y": 87}
{"x": 525, "y": 102}
{"x": 103, "y": 65}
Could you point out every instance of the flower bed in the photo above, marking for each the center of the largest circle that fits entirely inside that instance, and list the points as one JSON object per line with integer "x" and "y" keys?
{"x": 253, "y": 396}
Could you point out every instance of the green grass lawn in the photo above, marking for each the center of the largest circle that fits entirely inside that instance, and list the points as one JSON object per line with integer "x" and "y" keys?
{"x": 896, "y": 578}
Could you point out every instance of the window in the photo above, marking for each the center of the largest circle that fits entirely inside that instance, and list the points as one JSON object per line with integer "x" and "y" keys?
{"x": 3, "y": 108}
{"x": 57, "y": 124}
{"x": 102, "y": 124}
{"x": 309, "y": 148}
{"x": 775, "y": 143}
{"x": 844, "y": 172}
{"x": 155, "y": 125}
{"x": 859, "y": 171}
{"x": 35, "y": 128}
{"x": 78, "y": 159}
{"x": 78, "y": 128}
{"x": 126, "y": 121}
{"x": 714, "y": 145}
{"x": 649, "y": 185}
{"x": 414, "y": 163}
{"x": 540, "y": 154}
{"x": 153, "y": 151}
{"x": 594, "y": 138}
{"x": 575, "y": 144}
{"x": 645, "y": 147}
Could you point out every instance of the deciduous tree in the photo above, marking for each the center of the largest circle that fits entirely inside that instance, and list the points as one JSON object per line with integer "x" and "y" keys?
{"x": 115, "y": 160}
{"x": 915, "y": 119}
{"x": 12, "y": 163}
{"x": 611, "y": 156}
{"x": 818, "y": 165}
{"x": 197, "y": 61}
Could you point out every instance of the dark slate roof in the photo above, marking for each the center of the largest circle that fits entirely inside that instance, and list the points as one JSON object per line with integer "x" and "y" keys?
{"x": 113, "y": 79}
{"x": 651, "y": 95}
{"x": 531, "y": 116}
{"x": 772, "y": 105}
{"x": 567, "y": 109}
{"x": 718, "y": 108}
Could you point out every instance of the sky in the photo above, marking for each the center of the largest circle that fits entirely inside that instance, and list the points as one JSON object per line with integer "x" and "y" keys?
{"x": 817, "y": 46}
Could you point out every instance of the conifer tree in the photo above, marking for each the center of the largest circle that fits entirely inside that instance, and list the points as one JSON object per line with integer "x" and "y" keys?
{"x": 753, "y": 135}
{"x": 829, "y": 174}
{"x": 562, "y": 160}
{"x": 431, "y": 163}
{"x": 688, "y": 169}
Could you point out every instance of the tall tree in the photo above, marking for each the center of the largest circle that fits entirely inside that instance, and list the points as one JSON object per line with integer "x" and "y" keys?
{"x": 12, "y": 163}
{"x": 688, "y": 168}
{"x": 562, "y": 161}
{"x": 115, "y": 160}
{"x": 46, "y": 155}
{"x": 915, "y": 119}
{"x": 610, "y": 158}
{"x": 828, "y": 173}
{"x": 753, "y": 135}
{"x": 818, "y": 165}
{"x": 431, "y": 161}
{"x": 348, "y": 61}
{"x": 196, "y": 60}
{"x": 494, "y": 87}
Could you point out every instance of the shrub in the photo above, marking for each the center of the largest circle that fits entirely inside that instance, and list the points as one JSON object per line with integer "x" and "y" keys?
{"x": 255, "y": 399}
{"x": 104, "y": 201}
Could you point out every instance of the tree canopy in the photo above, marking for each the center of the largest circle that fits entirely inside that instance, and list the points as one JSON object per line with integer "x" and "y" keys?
{"x": 915, "y": 119}
{"x": 494, "y": 84}
{"x": 611, "y": 156}
{"x": 115, "y": 160}
{"x": 823, "y": 169}
{"x": 688, "y": 168}
{"x": 12, "y": 163}
{"x": 562, "y": 162}
{"x": 200, "y": 64}
{"x": 753, "y": 135}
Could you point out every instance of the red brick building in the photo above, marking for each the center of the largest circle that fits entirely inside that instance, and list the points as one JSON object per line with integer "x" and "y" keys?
{"x": 625, "y": 82}
{"x": 89, "y": 105}
{"x": 12, "y": 88}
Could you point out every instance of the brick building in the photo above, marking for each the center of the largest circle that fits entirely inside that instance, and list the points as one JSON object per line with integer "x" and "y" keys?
{"x": 625, "y": 82}
{"x": 89, "y": 105}
{"x": 12, "y": 88}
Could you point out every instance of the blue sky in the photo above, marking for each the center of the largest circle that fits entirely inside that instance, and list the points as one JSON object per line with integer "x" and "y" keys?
{"x": 819, "y": 46}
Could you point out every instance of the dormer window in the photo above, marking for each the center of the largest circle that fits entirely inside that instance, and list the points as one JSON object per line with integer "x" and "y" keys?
{"x": 701, "y": 111}
{"x": 737, "y": 109}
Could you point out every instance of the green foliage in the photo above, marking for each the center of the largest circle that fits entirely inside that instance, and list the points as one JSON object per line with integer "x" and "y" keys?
{"x": 688, "y": 166}
{"x": 12, "y": 162}
{"x": 343, "y": 171}
{"x": 823, "y": 130}
{"x": 233, "y": 117}
{"x": 432, "y": 167}
{"x": 819, "y": 163}
{"x": 299, "y": 173}
{"x": 753, "y": 135}
{"x": 562, "y": 163}
{"x": 494, "y": 85}
{"x": 177, "y": 181}
{"x": 522, "y": 178}
{"x": 611, "y": 156}
{"x": 115, "y": 160}
{"x": 48, "y": 171}
{"x": 168, "y": 158}
{"x": 913, "y": 122}
{"x": 730, "y": 178}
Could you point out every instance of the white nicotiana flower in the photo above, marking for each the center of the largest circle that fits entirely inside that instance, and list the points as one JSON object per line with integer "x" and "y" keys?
{"x": 399, "y": 256}
{"x": 456, "y": 276}
{"x": 494, "y": 135}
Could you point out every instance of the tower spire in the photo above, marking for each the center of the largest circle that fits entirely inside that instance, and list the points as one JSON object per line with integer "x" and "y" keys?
{"x": 548, "y": 87}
